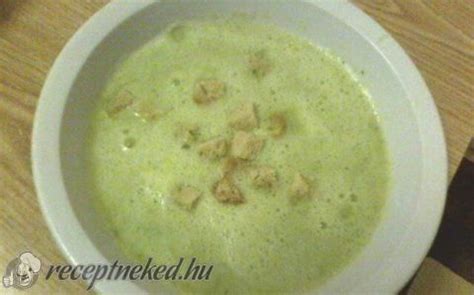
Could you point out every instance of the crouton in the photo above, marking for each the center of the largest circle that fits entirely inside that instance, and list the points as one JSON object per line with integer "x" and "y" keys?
{"x": 225, "y": 191}
{"x": 244, "y": 117}
{"x": 213, "y": 149}
{"x": 187, "y": 134}
{"x": 300, "y": 187}
{"x": 186, "y": 196}
{"x": 263, "y": 176}
{"x": 207, "y": 91}
{"x": 147, "y": 111}
{"x": 277, "y": 126}
{"x": 122, "y": 101}
{"x": 229, "y": 165}
{"x": 259, "y": 64}
{"x": 246, "y": 145}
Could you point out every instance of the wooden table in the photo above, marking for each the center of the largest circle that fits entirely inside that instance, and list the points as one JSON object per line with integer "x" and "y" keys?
{"x": 438, "y": 35}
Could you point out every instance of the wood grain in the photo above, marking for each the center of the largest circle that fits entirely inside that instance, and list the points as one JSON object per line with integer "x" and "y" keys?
{"x": 32, "y": 33}
{"x": 438, "y": 35}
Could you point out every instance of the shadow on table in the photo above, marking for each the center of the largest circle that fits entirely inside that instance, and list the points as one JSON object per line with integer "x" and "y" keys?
{"x": 7, "y": 7}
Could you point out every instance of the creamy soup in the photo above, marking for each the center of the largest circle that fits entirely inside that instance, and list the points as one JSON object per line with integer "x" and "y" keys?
{"x": 245, "y": 146}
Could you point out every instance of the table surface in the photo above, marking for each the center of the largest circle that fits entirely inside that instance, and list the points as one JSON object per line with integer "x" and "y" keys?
{"x": 438, "y": 35}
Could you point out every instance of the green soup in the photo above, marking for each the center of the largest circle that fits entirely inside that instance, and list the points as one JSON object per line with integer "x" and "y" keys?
{"x": 142, "y": 151}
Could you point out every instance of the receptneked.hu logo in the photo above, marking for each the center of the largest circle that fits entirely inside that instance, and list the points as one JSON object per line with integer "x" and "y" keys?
{"x": 23, "y": 271}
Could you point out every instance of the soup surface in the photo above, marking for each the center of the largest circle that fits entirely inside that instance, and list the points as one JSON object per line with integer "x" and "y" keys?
{"x": 244, "y": 146}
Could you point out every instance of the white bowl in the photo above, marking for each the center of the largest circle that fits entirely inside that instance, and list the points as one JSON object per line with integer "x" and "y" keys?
{"x": 409, "y": 120}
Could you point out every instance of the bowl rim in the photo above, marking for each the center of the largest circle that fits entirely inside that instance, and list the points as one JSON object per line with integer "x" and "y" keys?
{"x": 46, "y": 166}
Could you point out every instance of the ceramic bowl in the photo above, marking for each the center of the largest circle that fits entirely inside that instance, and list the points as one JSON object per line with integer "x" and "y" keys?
{"x": 410, "y": 123}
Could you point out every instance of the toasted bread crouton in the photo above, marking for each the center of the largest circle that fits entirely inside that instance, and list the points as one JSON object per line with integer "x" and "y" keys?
{"x": 186, "y": 196}
{"x": 246, "y": 145}
{"x": 229, "y": 165}
{"x": 147, "y": 111}
{"x": 263, "y": 176}
{"x": 122, "y": 101}
{"x": 187, "y": 134}
{"x": 259, "y": 64}
{"x": 300, "y": 187}
{"x": 213, "y": 149}
{"x": 225, "y": 191}
{"x": 244, "y": 117}
{"x": 277, "y": 125}
{"x": 207, "y": 91}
